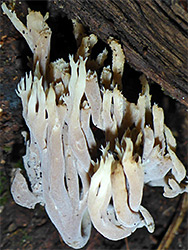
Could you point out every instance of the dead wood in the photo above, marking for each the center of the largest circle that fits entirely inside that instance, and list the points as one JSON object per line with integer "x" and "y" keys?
{"x": 153, "y": 34}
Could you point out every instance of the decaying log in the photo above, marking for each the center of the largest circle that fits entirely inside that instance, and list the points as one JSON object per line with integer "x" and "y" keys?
{"x": 153, "y": 34}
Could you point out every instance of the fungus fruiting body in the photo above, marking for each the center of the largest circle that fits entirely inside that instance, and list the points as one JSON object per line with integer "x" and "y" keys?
{"x": 62, "y": 103}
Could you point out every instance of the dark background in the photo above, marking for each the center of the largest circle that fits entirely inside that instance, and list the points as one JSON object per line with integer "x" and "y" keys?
{"x": 22, "y": 228}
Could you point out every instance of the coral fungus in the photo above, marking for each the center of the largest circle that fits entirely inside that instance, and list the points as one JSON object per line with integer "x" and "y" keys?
{"x": 63, "y": 103}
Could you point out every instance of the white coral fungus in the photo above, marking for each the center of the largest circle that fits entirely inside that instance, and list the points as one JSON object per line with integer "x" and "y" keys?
{"x": 62, "y": 103}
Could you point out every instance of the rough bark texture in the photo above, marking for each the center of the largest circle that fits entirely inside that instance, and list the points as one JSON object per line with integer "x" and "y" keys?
{"x": 21, "y": 228}
{"x": 153, "y": 34}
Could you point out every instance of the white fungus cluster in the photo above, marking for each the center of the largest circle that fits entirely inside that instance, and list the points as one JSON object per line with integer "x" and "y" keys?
{"x": 65, "y": 104}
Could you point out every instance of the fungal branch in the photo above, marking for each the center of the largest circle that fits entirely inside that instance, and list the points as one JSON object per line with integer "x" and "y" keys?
{"x": 64, "y": 117}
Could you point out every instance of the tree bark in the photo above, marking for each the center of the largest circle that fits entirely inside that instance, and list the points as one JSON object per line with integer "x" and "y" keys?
{"x": 153, "y": 34}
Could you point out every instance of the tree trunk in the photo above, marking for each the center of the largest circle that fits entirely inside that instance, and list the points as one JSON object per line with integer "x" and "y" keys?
{"x": 153, "y": 34}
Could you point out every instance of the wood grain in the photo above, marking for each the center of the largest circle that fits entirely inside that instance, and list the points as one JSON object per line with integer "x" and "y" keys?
{"x": 153, "y": 34}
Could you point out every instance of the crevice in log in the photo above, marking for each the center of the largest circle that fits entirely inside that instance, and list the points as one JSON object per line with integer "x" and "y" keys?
{"x": 153, "y": 35}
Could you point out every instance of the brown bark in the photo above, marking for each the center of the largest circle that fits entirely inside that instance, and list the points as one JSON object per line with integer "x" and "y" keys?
{"x": 153, "y": 34}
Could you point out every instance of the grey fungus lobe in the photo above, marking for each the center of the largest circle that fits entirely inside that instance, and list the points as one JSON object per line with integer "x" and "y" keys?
{"x": 59, "y": 100}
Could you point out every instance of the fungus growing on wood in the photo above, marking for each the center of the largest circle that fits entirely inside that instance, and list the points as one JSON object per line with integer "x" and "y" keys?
{"x": 64, "y": 109}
